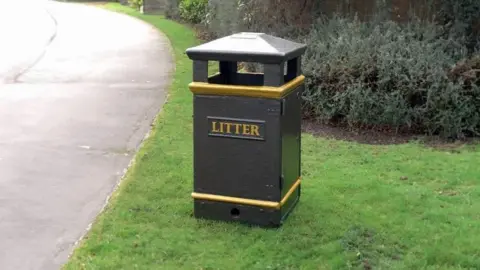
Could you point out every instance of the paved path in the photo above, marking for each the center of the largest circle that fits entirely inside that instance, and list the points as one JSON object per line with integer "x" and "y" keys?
{"x": 25, "y": 29}
{"x": 69, "y": 126}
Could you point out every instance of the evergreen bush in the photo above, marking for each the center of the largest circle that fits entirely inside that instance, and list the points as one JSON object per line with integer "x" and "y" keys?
{"x": 135, "y": 3}
{"x": 387, "y": 74}
{"x": 193, "y": 11}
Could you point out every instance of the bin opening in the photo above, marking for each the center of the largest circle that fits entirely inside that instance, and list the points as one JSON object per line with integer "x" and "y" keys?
{"x": 235, "y": 212}
{"x": 247, "y": 79}
{"x": 271, "y": 75}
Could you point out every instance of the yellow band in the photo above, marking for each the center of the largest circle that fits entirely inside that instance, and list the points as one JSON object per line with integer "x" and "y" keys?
{"x": 267, "y": 204}
{"x": 200, "y": 88}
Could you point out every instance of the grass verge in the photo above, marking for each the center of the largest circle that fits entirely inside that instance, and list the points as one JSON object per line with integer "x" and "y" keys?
{"x": 363, "y": 206}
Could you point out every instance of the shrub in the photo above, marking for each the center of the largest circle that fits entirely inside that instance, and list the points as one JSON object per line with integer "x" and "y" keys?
{"x": 135, "y": 3}
{"x": 463, "y": 18}
{"x": 389, "y": 74}
{"x": 193, "y": 11}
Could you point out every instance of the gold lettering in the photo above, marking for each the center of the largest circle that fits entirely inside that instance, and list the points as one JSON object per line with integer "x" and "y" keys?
{"x": 237, "y": 128}
{"x": 229, "y": 125}
{"x": 255, "y": 131}
{"x": 246, "y": 129}
{"x": 214, "y": 127}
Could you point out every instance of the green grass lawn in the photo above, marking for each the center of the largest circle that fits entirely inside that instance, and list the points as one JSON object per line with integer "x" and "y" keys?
{"x": 362, "y": 207}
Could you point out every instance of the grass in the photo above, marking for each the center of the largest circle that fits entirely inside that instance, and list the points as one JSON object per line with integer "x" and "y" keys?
{"x": 363, "y": 207}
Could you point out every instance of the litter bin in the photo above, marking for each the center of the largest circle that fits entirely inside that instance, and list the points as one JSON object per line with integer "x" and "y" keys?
{"x": 247, "y": 129}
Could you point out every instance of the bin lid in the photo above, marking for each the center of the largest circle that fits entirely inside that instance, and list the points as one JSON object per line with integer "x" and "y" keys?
{"x": 248, "y": 47}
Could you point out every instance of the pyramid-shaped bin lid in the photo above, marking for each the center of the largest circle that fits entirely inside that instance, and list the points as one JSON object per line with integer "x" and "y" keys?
{"x": 247, "y": 47}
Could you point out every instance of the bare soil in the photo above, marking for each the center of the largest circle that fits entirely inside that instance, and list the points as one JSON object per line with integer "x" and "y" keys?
{"x": 379, "y": 136}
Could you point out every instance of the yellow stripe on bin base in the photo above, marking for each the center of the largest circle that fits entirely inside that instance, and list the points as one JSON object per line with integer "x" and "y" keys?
{"x": 201, "y": 88}
{"x": 266, "y": 204}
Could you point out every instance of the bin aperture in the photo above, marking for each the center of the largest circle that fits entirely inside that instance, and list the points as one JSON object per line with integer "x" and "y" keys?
{"x": 247, "y": 129}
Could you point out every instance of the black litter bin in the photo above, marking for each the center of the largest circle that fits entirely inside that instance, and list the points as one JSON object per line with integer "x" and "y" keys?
{"x": 247, "y": 129}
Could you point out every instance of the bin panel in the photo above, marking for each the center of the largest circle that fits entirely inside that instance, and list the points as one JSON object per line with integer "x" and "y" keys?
{"x": 236, "y": 212}
{"x": 291, "y": 147}
{"x": 291, "y": 139}
{"x": 237, "y": 145}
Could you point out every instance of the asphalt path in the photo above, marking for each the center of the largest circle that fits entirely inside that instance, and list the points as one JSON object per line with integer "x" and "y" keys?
{"x": 79, "y": 89}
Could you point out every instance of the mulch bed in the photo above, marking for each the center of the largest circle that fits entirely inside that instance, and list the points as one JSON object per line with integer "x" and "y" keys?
{"x": 381, "y": 136}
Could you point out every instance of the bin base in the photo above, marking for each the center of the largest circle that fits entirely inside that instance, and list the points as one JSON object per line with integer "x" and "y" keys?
{"x": 245, "y": 214}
